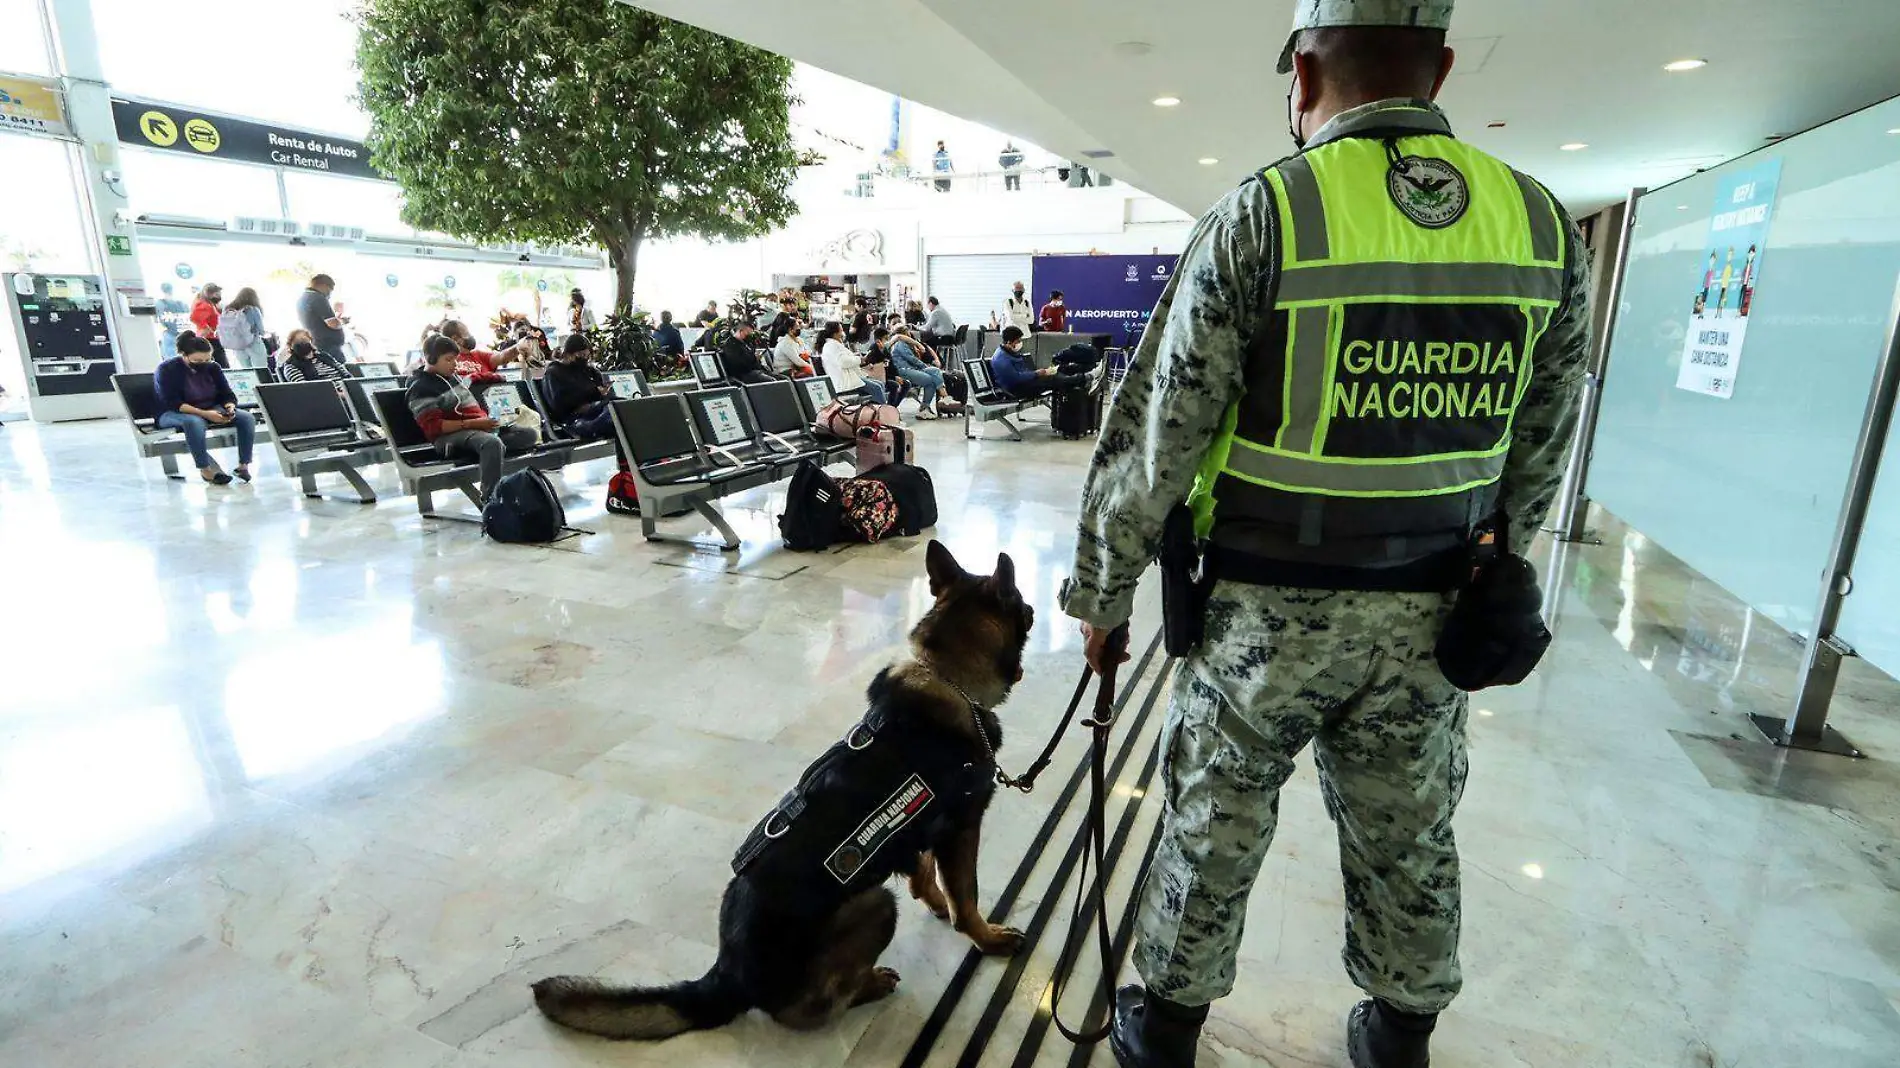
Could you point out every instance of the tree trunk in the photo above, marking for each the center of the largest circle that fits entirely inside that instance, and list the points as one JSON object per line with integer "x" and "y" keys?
{"x": 625, "y": 257}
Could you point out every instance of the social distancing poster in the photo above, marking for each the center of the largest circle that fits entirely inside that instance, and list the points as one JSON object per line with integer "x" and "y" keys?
{"x": 1730, "y": 274}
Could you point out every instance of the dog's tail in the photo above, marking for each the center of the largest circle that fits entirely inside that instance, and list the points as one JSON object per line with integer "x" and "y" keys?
{"x": 647, "y": 1013}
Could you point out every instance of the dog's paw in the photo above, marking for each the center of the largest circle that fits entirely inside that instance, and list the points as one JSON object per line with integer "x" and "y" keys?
{"x": 882, "y": 984}
{"x": 1001, "y": 942}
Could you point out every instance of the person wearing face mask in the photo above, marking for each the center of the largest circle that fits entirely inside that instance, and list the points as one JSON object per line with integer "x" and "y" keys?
{"x": 454, "y": 421}
{"x": 305, "y": 362}
{"x": 478, "y": 365}
{"x": 1018, "y": 312}
{"x": 1054, "y": 316}
{"x": 194, "y": 398}
{"x": 1312, "y": 413}
{"x": 206, "y": 312}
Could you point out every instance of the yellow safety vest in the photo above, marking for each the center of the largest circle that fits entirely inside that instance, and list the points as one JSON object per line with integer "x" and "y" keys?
{"x": 1416, "y": 275}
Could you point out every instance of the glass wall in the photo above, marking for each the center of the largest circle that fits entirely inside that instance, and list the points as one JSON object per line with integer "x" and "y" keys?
{"x": 289, "y": 63}
{"x": 23, "y": 38}
{"x": 1747, "y": 490}
{"x": 41, "y": 229}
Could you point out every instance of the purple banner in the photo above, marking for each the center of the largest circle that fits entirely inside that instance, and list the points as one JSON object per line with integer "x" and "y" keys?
{"x": 1104, "y": 294}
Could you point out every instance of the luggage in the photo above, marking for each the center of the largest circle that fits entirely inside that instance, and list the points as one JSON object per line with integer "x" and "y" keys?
{"x": 623, "y": 497}
{"x": 814, "y": 510}
{"x": 843, "y": 419}
{"x": 915, "y": 493}
{"x": 870, "y": 510}
{"x": 524, "y": 508}
{"x": 1075, "y": 412}
{"x": 958, "y": 384}
{"x": 882, "y": 445}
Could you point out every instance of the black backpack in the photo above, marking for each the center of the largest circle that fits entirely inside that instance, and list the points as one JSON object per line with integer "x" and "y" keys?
{"x": 524, "y": 509}
{"x": 814, "y": 510}
{"x": 916, "y": 496}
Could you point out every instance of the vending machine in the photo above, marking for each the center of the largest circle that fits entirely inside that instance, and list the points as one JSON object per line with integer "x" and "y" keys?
{"x": 62, "y": 332}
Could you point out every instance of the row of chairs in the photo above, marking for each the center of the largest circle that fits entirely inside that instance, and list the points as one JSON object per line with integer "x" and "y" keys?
{"x": 690, "y": 450}
{"x": 685, "y": 450}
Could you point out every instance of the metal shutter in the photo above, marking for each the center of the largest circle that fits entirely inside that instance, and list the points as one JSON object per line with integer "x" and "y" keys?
{"x": 971, "y": 287}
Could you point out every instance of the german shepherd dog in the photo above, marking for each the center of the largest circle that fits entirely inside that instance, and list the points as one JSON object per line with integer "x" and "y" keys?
{"x": 804, "y": 919}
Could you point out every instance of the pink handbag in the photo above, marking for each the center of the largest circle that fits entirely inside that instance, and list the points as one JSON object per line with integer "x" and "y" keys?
{"x": 842, "y": 420}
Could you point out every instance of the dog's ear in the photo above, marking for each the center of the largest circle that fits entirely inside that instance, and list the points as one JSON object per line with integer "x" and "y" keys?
{"x": 944, "y": 570}
{"x": 1005, "y": 577}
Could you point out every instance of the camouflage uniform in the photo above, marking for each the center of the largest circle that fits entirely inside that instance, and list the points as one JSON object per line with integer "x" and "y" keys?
{"x": 1352, "y": 672}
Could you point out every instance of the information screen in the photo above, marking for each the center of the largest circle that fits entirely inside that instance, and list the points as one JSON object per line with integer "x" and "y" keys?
{"x": 722, "y": 414}
{"x": 708, "y": 365}
{"x": 624, "y": 383}
{"x": 819, "y": 390}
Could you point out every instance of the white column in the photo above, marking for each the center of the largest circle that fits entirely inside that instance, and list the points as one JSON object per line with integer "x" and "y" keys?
{"x": 101, "y": 183}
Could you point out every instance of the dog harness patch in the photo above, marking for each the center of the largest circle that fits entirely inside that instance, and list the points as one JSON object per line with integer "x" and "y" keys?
{"x": 879, "y": 827}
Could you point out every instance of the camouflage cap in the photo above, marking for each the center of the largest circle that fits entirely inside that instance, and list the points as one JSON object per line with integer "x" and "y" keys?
{"x": 1314, "y": 14}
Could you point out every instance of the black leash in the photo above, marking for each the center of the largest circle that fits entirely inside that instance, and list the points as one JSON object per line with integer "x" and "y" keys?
{"x": 1096, "y": 815}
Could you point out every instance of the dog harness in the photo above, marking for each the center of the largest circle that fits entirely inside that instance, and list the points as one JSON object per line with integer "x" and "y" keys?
{"x": 878, "y": 824}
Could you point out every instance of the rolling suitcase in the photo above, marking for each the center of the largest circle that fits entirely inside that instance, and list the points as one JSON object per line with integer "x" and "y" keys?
{"x": 882, "y": 445}
{"x": 1075, "y": 413}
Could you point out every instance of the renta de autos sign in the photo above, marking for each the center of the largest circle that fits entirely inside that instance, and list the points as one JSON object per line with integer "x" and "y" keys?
{"x": 148, "y": 124}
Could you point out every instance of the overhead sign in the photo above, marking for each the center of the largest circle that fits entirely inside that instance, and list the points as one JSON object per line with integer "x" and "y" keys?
{"x": 163, "y": 126}
{"x": 32, "y": 105}
{"x": 1736, "y": 246}
{"x": 1103, "y": 294}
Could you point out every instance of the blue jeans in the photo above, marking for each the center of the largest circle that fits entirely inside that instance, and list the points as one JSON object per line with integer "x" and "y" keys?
{"x": 195, "y": 428}
{"x": 873, "y": 391}
{"x": 593, "y": 425}
{"x": 928, "y": 379}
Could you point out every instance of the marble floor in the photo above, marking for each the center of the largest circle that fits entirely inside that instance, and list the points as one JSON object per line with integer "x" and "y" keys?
{"x": 307, "y": 783}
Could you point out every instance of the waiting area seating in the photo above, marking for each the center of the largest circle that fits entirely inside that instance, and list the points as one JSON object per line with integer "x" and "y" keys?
{"x": 138, "y": 394}
{"x": 694, "y": 449}
{"x": 424, "y": 471}
{"x": 987, "y": 403}
{"x": 315, "y": 431}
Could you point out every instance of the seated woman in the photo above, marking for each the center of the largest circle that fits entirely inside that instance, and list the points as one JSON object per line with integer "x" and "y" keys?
{"x": 907, "y": 359}
{"x": 848, "y": 370}
{"x": 195, "y": 398}
{"x": 788, "y": 355}
{"x": 303, "y": 361}
{"x": 578, "y": 393}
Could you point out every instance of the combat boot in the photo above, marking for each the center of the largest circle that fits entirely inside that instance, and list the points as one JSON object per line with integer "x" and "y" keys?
{"x": 1150, "y": 1032}
{"x": 1380, "y": 1036}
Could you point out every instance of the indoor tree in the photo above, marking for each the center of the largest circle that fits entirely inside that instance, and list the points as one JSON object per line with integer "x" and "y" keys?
{"x": 585, "y": 121}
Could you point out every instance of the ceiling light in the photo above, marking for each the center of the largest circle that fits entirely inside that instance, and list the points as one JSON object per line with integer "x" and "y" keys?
{"x": 1208, "y": 161}
{"x": 1682, "y": 207}
{"x": 1574, "y": 146}
{"x": 1535, "y": 871}
{"x": 1167, "y": 101}
{"x": 1895, "y": 130}
{"x": 1681, "y": 65}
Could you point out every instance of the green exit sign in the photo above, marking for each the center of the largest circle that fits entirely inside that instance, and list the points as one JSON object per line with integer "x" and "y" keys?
{"x": 118, "y": 245}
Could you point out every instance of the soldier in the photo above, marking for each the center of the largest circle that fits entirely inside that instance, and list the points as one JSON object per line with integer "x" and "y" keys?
{"x": 1344, "y": 408}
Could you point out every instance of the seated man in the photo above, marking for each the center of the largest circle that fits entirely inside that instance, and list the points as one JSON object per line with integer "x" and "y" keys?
{"x": 666, "y": 336}
{"x": 578, "y": 393}
{"x": 1017, "y": 375}
{"x": 451, "y": 420}
{"x": 474, "y": 363}
{"x": 741, "y": 359}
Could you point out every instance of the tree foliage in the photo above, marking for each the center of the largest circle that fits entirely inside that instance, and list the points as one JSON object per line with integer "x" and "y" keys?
{"x": 575, "y": 121}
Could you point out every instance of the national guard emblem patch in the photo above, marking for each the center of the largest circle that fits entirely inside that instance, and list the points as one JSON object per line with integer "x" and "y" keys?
{"x": 1430, "y": 192}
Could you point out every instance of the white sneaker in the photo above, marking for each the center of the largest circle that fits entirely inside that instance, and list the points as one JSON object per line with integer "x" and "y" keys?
{"x": 925, "y": 413}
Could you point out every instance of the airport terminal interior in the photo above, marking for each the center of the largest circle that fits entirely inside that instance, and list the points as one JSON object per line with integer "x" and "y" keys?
{"x": 307, "y": 769}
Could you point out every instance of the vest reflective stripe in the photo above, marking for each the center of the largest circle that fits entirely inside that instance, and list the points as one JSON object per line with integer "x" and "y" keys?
{"x": 1303, "y": 213}
{"x": 1360, "y": 477}
{"x": 1309, "y": 334}
{"x": 1406, "y": 283}
{"x": 1547, "y": 242}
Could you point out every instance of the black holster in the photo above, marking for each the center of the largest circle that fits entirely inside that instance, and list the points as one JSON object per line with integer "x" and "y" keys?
{"x": 1183, "y": 587}
{"x": 1496, "y": 634}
